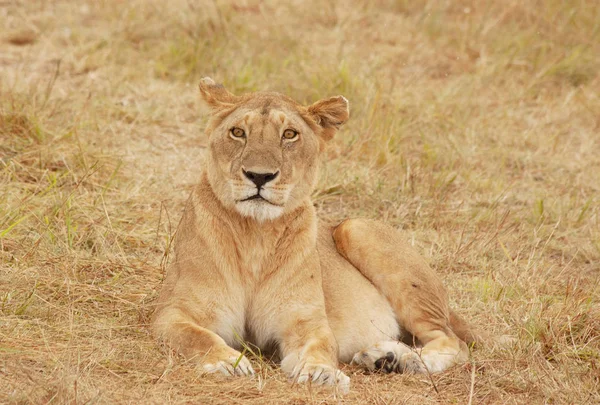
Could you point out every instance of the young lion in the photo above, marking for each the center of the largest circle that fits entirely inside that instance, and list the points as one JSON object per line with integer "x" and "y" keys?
{"x": 252, "y": 262}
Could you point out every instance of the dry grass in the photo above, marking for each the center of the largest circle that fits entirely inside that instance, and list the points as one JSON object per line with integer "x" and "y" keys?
{"x": 474, "y": 127}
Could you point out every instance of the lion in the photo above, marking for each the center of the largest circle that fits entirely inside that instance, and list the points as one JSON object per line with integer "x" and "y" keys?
{"x": 254, "y": 264}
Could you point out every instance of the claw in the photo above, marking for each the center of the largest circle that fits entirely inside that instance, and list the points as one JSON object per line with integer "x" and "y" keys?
{"x": 233, "y": 366}
{"x": 324, "y": 375}
{"x": 317, "y": 374}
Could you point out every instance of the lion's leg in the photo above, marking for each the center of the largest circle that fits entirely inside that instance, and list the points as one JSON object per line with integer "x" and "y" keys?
{"x": 183, "y": 334}
{"x": 413, "y": 289}
{"x": 309, "y": 350}
{"x": 292, "y": 301}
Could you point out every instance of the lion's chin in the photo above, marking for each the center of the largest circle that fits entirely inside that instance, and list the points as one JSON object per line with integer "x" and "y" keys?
{"x": 260, "y": 210}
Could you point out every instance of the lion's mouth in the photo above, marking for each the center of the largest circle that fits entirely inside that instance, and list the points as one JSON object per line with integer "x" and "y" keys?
{"x": 257, "y": 196}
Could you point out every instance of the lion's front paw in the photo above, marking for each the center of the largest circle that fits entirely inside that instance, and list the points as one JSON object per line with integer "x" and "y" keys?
{"x": 234, "y": 364}
{"x": 322, "y": 374}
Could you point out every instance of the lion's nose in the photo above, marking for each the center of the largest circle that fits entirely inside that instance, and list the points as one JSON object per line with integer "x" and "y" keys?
{"x": 260, "y": 179}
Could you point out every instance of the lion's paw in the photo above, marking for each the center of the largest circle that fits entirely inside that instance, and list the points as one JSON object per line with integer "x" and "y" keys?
{"x": 399, "y": 361}
{"x": 397, "y": 357}
{"x": 411, "y": 363}
{"x": 233, "y": 365}
{"x": 433, "y": 361}
{"x": 384, "y": 356}
{"x": 322, "y": 374}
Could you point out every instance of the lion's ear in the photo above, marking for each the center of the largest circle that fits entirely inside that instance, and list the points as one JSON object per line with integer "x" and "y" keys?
{"x": 330, "y": 114}
{"x": 215, "y": 96}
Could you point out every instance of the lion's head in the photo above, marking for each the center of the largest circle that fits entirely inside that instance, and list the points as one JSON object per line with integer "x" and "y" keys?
{"x": 264, "y": 148}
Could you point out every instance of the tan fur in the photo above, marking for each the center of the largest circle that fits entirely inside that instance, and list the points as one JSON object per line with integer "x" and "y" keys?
{"x": 264, "y": 270}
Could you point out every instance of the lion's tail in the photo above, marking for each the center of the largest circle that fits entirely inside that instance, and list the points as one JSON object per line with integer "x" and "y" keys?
{"x": 465, "y": 332}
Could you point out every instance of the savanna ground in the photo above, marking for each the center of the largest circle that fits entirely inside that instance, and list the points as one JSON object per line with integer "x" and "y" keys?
{"x": 474, "y": 127}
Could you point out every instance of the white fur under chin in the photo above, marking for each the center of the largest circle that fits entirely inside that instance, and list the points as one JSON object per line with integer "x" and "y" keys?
{"x": 260, "y": 210}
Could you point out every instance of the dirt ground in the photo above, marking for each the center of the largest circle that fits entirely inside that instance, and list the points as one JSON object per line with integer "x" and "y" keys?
{"x": 475, "y": 128}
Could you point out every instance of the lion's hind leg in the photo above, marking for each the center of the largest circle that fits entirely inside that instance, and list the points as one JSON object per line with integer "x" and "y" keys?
{"x": 413, "y": 289}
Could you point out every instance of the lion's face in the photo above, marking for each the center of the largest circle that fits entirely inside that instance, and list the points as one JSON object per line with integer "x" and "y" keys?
{"x": 264, "y": 148}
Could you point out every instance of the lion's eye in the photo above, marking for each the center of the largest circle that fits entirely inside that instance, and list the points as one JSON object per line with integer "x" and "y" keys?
{"x": 237, "y": 132}
{"x": 290, "y": 134}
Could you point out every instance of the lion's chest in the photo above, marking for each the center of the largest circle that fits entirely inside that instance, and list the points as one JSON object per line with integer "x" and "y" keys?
{"x": 255, "y": 262}
{"x": 256, "y": 256}
{"x": 257, "y": 265}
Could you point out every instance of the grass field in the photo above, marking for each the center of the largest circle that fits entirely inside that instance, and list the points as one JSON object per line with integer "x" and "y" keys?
{"x": 475, "y": 127}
